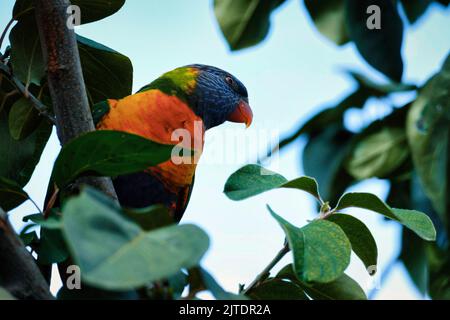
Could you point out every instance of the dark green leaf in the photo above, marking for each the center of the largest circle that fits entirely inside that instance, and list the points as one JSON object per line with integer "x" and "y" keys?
{"x": 321, "y": 250}
{"x": 116, "y": 254}
{"x": 414, "y": 257}
{"x": 22, "y": 156}
{"x": 378, "y": 154}
{"x": 216, "y": 290}
{"x": 361, "y": 239}
{"x": 323, "y": 159}
{"x": 11, "y": 194}
{"x": 28, "y": 237}
{"x": 381, "y": 48}
{"x": 343, "y": 288}
{"x": 380, "y": 89}
{"x": 439, "y": 266}
{"x": 150, "y": 218}
{"x": 23, "y": 119}
{"x": 107, "y": 153}
{"x": 365, "y": 201}
{"x": 107, "y": 73}
{"x": 177, "y": 283}
{"x": 244, "y": 23}
{"x": 333, "y": 115}
{"x": 277, "y": 289}
{"x": 252, "y": 180}
{"x": 428, "y": 130}
{"x": 52, "y": 247}
{"x": 91, "y": 10}
{"x": 53, "y": 221}
{"x": 329, "y": 17}
{"x": 414, "y": 9}
{"x": 26, "y": 55}
{"x": 417, "y": 221}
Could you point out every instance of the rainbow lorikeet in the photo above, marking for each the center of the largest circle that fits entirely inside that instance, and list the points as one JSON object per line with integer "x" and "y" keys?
{"x": 194, "y": 98}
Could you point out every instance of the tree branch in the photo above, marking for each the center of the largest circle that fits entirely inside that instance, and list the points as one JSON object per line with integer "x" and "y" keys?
{"x": 38, "y": 105}
{"x": 65, "y": 77}
{"x": 19, "y": 272}
{"x": 266, "y": 272}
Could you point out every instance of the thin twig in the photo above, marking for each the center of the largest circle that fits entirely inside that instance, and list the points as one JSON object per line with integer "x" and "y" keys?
{"x": 38, "y": 105}
{"x": 266, "y": 271}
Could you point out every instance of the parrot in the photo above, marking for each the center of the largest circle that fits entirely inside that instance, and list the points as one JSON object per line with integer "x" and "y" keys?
{"x": 193, "y": 98}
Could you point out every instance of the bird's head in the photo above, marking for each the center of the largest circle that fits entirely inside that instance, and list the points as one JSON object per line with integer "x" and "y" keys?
{"x": 213, "y": 94}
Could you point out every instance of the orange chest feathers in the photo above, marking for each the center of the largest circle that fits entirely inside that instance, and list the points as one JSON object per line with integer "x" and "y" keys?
{"x": 164, "y": 119}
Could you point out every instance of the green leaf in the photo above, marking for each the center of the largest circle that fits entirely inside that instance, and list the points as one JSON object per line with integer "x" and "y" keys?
{"x": 330, "y": 116}
{"x": 381, "y": 48}
{"x": 107, "y": 73}
{"x": 107, "y": 153}
{"x": 329, "y": 17}
{"x": 26, "y": 55}
{"x": 216, "y": 290}
{"x": 428, "y": 130}
{"x": 150, "y": 218}
{"x": 244, "y": 23}
{"x": 378, "y": 154}
{"x": 324, "y": 158}
{"x": 360, "y": 237}
{"x": 23, "y": 119}
{"x": 414, "y": 257}
{"x": 91, "y": 10}
{"x": 11, "y": 194}
{"x": 53, "y": 221}
{"x": 5, "y": 295}
{"x": 277, "y": 289}
{"x": 414, "y": 9}
{"x": 52, "y": 247}
{"x": 23, "y": 155}
{"x": 343, "y": 288}
{"x": 252, "y": 180}
{"x": 177, "y": 283}
{"x": 321, "y": 250}
{"x": 417, "y": 221}
{"x": 116, "y": 254}
{"x": 28, "y": 237}
{"x": 379, "y": 89}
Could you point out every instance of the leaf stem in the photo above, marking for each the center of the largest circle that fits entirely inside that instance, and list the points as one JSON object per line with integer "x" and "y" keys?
{"x": 266, "y": 271}
{"x": 35, "y": 204}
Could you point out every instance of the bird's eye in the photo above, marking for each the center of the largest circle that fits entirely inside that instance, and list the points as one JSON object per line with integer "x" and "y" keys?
{"x": 229, "y": 80}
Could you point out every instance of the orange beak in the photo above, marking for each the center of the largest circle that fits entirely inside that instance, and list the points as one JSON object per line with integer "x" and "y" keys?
{"x": 242, "y": 114}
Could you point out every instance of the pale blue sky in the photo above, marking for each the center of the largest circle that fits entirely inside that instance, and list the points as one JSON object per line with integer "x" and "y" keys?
{"x": 288, "y": 77}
